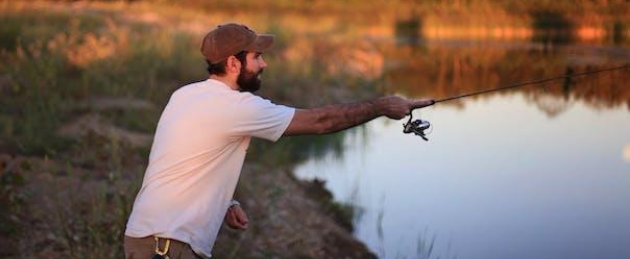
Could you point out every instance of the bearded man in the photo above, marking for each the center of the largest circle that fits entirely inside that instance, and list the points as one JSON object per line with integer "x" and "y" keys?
{"x": 202, "y": 138}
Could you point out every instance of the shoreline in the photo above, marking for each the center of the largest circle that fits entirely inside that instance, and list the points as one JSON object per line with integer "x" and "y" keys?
{"x": 287, "y": 220}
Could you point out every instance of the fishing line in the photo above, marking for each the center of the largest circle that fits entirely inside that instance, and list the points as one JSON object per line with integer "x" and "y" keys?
{"x": 540, "y": 81}
{"x": 419, "y": 126}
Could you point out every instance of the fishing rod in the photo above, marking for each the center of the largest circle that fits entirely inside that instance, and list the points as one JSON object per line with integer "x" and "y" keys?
{"x": 419, "y": 126}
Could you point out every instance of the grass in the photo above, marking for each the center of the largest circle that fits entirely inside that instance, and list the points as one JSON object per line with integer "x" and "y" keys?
{"x": 99, "y": 56}
{"x": 129, "y": 119}
{"x": 54, "y": 63}
{"x": 46, "y": 76}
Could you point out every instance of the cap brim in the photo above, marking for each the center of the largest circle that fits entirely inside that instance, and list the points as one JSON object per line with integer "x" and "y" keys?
{"x": 262, "y": 43}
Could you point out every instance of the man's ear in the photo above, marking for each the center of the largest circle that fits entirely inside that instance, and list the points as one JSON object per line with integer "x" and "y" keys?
{"x": 233, "y": 64}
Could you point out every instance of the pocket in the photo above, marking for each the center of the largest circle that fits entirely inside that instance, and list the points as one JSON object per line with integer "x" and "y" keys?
{"x": 138, "y": 248}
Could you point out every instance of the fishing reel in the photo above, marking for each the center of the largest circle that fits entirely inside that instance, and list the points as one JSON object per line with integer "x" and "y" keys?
{"x": 417, "y": 127}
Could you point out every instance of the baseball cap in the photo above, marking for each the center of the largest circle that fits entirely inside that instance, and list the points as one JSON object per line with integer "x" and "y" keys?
{"x": 232, "y": 38}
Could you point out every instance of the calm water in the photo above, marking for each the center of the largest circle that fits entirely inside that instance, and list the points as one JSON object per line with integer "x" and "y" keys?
{"x": 539, "y": 172}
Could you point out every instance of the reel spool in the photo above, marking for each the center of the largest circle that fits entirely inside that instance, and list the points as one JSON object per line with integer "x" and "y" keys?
{"x": 417, "y": 127}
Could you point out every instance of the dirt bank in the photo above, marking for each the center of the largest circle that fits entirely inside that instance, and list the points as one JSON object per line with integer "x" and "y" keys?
{"x": 59, "y": 210}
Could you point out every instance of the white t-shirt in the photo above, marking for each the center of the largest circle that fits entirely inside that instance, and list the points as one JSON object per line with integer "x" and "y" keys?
{"x": 196, "y": 159}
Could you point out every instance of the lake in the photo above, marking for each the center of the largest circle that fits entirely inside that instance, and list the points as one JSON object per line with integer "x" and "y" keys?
{"x": 542, "y": 171}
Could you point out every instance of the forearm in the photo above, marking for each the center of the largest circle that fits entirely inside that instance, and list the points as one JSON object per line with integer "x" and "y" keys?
{"x": 337, "y": 117}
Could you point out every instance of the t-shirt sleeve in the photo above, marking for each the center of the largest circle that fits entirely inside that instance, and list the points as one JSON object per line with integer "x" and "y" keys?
{"x": 258, "y": 117}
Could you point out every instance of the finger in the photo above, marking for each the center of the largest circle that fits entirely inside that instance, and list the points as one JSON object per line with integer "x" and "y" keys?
{"x": 242, "y": 217}
{"x": 242, "y": 225}
{"x": 422, "y": 103}
{"x": 237, "y": 223}
{"x": 231, "y": 219}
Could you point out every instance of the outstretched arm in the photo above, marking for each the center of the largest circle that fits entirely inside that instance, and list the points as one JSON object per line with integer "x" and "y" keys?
{"x": 337, "y": 117}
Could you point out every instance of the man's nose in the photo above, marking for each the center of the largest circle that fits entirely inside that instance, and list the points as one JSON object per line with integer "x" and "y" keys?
{"x": 262, "y": 63}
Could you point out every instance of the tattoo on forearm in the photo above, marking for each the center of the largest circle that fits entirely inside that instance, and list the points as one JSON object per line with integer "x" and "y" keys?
{"x": 344, "y": 116}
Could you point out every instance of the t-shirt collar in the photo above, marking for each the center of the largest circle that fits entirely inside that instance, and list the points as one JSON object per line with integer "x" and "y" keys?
{"x": 219, "y": 83}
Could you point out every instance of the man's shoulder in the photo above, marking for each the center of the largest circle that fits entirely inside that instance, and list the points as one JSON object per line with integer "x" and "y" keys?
{"x": 194, "y": 86}
{"x": 202, "y": 88}
{"x": 219, "y": 93}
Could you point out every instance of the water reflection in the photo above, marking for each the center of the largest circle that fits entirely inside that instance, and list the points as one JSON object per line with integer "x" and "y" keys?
{"x": 552, "y": 28}
{"x": 616, "y": 33}
{"x": 449, "y": 71}
{"x": 532, "y": 172}
{"x": 408, "y": 31}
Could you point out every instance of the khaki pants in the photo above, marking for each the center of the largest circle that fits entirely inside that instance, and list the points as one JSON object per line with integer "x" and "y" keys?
{"x": 144, "y": 248}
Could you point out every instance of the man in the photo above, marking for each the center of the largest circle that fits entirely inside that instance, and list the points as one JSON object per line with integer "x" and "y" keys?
{"x": 201, "y": 141}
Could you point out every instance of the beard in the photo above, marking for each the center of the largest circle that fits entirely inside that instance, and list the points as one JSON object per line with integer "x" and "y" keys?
{"x": 248, "y": 81}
